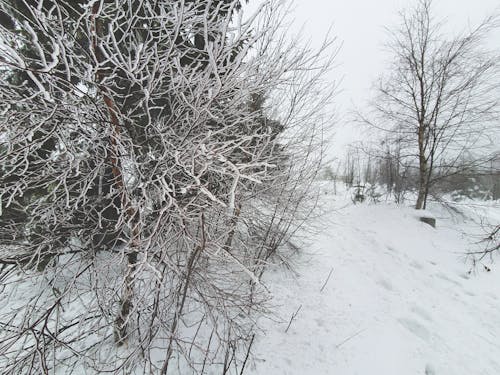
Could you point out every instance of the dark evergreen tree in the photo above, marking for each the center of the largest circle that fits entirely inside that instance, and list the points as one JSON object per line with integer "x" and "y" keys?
{"x": 144, "y": 184}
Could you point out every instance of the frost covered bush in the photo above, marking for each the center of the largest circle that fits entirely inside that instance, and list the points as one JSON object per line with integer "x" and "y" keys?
{"x": 154, "y": 157}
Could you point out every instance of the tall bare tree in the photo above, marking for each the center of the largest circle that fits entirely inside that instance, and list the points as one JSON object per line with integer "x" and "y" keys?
{"x": 440, "y": 97}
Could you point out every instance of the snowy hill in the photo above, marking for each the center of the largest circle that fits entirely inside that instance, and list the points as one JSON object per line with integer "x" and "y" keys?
{"x": 400, "y": 300}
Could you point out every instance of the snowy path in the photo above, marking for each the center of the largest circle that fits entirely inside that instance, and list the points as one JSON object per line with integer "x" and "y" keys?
{"x": 399, "y": 301}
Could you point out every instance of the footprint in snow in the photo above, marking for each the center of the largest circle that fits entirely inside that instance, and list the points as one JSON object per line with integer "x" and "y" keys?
{"x": 446, "y": 278}
{"x": 421, "y": 313}
{"x": 415, "y": 327}
{"x": 417, "y": 265}
{"x": 465, "y": 276}
{"x": 469, "y": 293}
{"x": 492, "y": 296}
{"x": 429, "y": 370}
{"x": 385, "y": 284}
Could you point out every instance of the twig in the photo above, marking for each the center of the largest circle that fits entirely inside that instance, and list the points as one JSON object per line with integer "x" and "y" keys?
{"x": 326, "y": 281}
{"x": 292, "y": 318}
{"x": 248, "y": 354}
{"x": 349, "y": 338}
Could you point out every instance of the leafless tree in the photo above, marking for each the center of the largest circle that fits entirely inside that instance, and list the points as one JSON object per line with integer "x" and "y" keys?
{"x": 440, "y": 97}
{"x": 155, "y": 157}
{"x": 394, "y": 170}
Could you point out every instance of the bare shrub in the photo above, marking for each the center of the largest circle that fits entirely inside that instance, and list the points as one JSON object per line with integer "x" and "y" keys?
{"x": 155, "y": 157}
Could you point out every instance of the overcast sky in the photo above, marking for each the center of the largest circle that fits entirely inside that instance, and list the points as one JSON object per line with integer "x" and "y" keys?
{"x": 359, "y": 26}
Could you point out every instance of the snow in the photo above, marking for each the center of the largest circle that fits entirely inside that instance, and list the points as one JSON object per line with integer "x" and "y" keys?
{"x": 400, "y": 299}
{"x": 379, "y": 292}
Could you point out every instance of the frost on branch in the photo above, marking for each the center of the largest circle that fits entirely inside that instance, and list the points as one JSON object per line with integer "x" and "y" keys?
{"x": 155, "y": 157}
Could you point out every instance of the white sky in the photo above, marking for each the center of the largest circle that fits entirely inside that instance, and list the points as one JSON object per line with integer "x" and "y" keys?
{"x": 359, "y": 25}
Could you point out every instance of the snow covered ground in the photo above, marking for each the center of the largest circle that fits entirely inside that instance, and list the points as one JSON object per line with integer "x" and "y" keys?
{"x": 400, "y": 299}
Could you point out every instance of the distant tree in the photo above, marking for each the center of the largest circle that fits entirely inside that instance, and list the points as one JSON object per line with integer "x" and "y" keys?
{"x": 352, "y": 167}
{"x": 438, "y": 99}
{"x": 393, "y": 170}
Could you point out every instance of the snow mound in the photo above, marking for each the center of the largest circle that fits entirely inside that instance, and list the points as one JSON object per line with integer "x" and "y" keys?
{"x": 401, "y": 299}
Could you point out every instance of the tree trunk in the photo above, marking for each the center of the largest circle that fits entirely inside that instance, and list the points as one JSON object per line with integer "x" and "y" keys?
{"x": 423, "y": 170}
{"x": 122, "y": 318}
{"x": 422, "y": 188}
